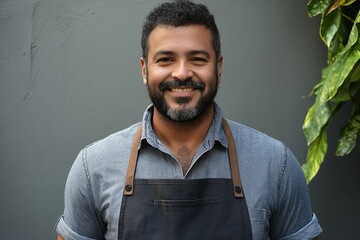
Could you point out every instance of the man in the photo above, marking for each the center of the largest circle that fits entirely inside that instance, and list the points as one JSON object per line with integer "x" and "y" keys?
{"x": 184, "y": 172}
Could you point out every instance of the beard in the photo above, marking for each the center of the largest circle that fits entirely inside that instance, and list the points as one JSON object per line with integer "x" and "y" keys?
{"x": 183, "y": 113}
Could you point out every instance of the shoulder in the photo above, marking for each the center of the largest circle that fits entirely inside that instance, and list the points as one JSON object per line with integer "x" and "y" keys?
{"x": 104, "y": 156}
{"x": 112, "y": 144}
{"x": 249, "y": 139}
{"x": 260, "y": 149}
{"x": 102, "y": 163}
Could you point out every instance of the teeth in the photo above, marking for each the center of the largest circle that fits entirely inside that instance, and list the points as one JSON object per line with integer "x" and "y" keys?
{"x": 181, "y": 89}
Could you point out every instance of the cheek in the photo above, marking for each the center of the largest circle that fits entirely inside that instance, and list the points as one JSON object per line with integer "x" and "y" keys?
{"x": 208, "y": 76}
{"x": 158, "y": 74}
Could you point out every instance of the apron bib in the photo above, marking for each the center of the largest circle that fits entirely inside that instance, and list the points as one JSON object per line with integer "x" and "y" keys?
{"x": 171, "y": 209}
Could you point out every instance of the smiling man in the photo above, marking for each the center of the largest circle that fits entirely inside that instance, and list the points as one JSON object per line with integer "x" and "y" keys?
{"x": 185, "y": 172}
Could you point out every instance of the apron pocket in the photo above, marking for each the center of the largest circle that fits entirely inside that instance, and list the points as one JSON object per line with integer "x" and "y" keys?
{"x": 184, "y": 204}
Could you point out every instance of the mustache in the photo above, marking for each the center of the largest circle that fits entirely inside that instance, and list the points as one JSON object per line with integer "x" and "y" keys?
{"x": 177, "y": 84}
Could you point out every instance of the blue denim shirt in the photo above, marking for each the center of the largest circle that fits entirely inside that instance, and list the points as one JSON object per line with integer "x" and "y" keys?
{"x": 275, "y": 189}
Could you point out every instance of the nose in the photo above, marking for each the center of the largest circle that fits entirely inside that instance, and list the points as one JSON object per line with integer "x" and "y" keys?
{"x": 182, "y": 71}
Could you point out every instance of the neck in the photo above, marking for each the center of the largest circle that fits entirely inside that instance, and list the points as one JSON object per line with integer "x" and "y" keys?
{"x": 176, "y": 135}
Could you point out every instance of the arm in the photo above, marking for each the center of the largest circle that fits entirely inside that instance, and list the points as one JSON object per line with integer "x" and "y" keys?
{"x": 81, "y": 219}
{"x": 293, "y": 217}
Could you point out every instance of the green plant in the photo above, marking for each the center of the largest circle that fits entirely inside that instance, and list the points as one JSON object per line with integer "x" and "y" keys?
{"x": 340, "y": 80}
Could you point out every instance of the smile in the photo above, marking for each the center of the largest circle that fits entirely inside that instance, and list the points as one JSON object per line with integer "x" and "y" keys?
{"x": 181, "y": 86}
{"x": 181, "y": 89}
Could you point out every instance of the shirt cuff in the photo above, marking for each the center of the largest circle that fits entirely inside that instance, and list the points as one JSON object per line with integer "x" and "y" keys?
{"x": 67, "y": 233}
{"x": 309, "y": 231}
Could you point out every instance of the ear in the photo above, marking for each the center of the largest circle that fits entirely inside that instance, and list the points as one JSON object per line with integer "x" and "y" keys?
{"x": 143, "y": 70}
{"x": 219, "y": 67}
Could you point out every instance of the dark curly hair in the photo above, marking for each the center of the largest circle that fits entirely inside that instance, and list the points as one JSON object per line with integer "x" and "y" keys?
{"x": 180, "y": 13}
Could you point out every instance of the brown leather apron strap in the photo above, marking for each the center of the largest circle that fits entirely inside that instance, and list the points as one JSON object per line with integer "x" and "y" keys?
{"x": 234, "y": 164}
{"x": 129, "y": 181}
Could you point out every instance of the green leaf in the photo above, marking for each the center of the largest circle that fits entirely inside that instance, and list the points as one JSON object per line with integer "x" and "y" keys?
{"x": 341, "y": 71}
{"x": 333, "y": 78}
{"x": 317, "y": 117}
{"x": 337, "y": 72}
{"x": 329, "y": 26}
{"x": 317, "y": 88}
{"x": 348, "y": 136}
{"x": 315, "y": 156}
{"x": 316, "y": 7}
{"x": 353, "y": 37}
{"x": 338, "y": 42}
{"x": 337, "y": 45}
{"x": 340, "y": 80}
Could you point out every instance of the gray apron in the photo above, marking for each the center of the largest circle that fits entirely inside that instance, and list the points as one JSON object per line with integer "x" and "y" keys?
{"x": 171, "y": 209}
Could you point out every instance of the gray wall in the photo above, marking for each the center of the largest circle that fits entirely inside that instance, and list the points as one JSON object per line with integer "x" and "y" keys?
{"x": 69, "y": 75}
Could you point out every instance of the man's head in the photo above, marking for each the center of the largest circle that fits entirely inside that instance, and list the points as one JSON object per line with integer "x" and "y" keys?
{"x": 180, "y": 13}
{"x": 181, "y": 63}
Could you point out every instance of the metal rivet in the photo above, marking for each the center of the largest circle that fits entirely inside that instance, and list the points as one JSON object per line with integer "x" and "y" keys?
{"x": 237, "y": 189}
{"x": 128, "y": 188}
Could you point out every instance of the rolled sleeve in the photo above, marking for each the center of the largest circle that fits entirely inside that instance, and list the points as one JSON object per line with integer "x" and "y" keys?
{"x": 310, "y": 231}
{"x": 67, "y": 233}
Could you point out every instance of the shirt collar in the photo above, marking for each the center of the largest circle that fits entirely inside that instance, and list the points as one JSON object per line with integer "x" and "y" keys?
{"x": 215, "y": 133}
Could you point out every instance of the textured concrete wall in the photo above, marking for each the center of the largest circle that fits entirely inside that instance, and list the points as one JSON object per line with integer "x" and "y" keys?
{"x": 69, "y": 75}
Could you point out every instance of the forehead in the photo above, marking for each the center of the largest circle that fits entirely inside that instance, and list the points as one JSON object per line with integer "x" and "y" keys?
{"x": 179, "y": 39}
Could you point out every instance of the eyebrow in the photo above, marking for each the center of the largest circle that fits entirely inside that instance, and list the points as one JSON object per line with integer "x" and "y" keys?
{"x": 191, "y": 53}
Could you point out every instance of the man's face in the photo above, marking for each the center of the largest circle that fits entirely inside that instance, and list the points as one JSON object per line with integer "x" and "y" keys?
{"x": 181, "y": 71}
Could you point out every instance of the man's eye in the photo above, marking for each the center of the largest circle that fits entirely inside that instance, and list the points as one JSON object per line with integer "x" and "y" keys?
{"x": 198, "y": 59}
{"x": 164, "y": 60}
